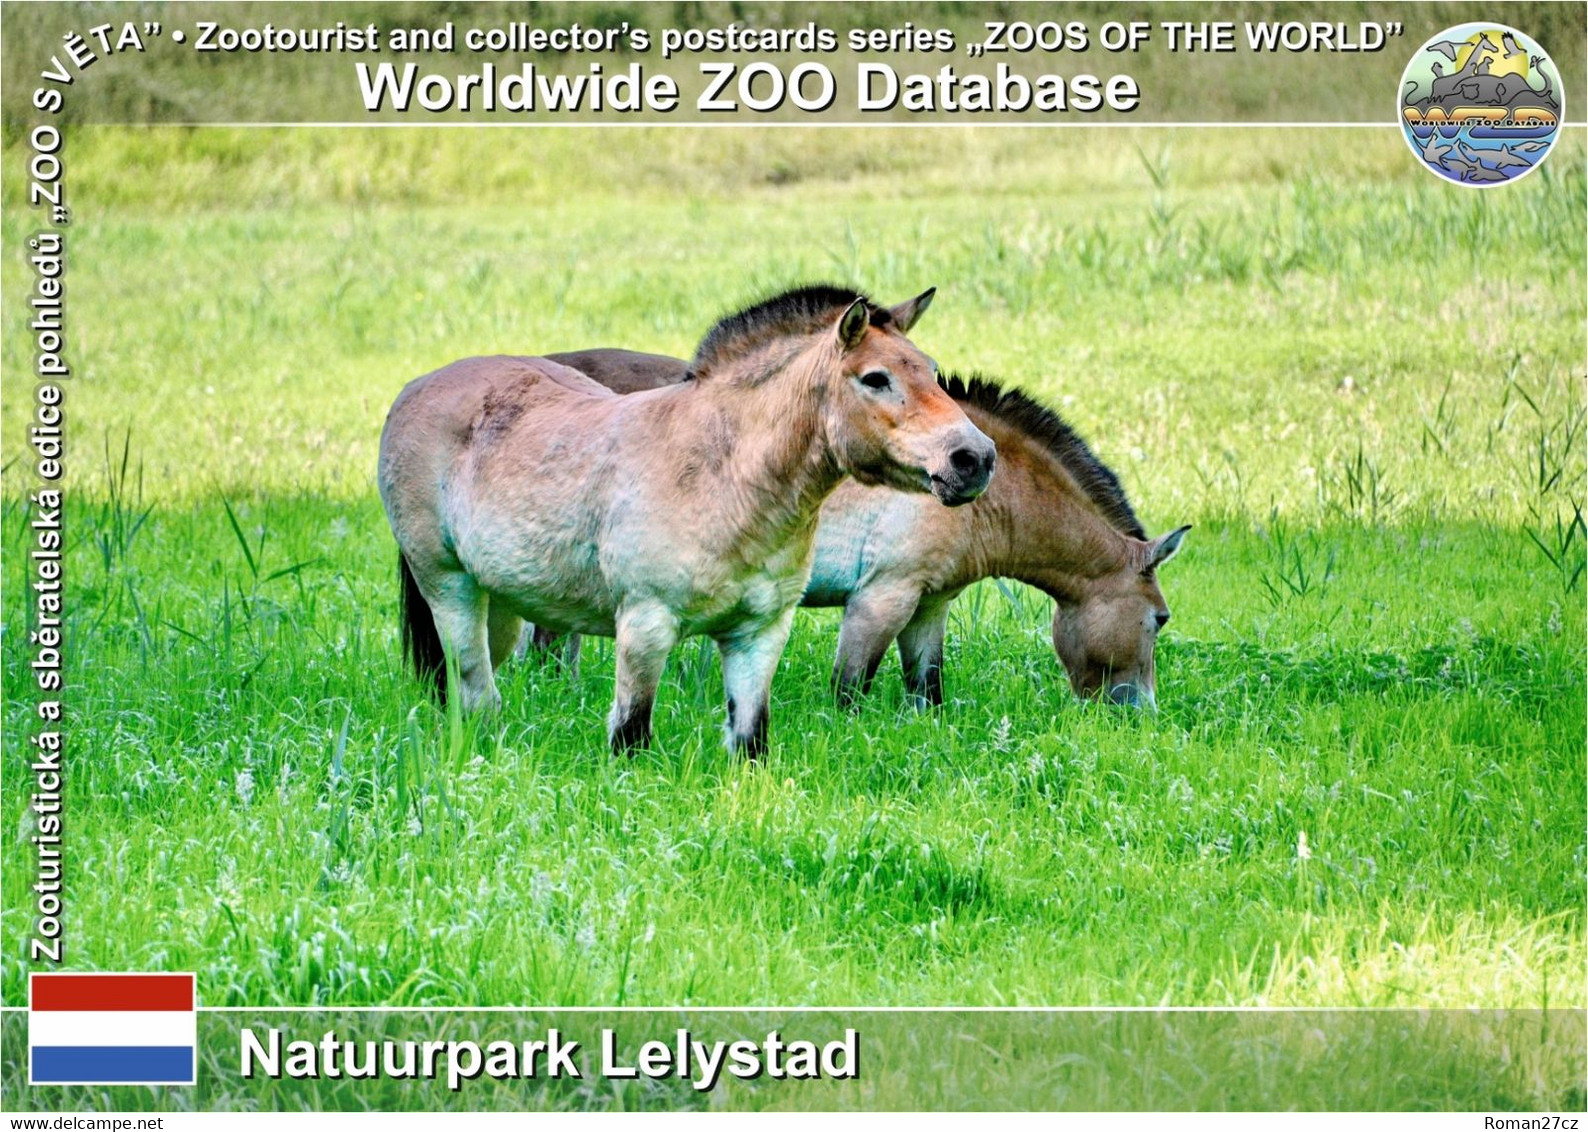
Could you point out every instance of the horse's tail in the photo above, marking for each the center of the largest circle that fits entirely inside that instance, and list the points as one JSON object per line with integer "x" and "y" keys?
{"x": 421, "y": 642}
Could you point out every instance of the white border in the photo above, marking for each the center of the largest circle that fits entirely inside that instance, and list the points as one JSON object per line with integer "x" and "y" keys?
{"x": 192, "y": 977}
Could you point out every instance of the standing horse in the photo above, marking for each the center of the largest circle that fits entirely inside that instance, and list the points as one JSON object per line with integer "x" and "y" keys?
{"x": 518, "y": 488}
{"x": 1055, "y": 518}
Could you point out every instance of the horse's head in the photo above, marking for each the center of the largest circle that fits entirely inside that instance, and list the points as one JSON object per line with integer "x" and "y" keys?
{"x": 888, "y": 420}
{"x": 1105, "y": 637}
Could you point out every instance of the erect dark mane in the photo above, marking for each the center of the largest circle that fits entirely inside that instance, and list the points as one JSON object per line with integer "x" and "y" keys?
{"x": 804, "y": 310}
{"x": 1047, "y": 428}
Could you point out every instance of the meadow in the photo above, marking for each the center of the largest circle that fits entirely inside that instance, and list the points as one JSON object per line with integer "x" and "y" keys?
{"x": 1365, "y": 785}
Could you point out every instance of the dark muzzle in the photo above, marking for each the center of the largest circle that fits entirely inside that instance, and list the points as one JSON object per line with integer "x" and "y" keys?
{"x": 970, "y": 470}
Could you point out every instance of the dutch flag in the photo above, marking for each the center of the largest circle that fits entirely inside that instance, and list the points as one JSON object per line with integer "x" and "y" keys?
{"x": 111, "y": 1030}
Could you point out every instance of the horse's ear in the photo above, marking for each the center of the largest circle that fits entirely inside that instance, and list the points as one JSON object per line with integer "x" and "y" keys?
{"x": 1164, "y": 547}
{"x": 852, "y": 327}
{"x": 909, "y": 312}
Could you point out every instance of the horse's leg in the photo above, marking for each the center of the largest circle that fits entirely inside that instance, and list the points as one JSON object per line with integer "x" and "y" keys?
{"x": 545, "y": 640}
{"x": 504, "y": 628}
{"x": 748, "y": 663}
{"x": 534, "y": 641}
{"x": 872, "y": 619}
{"x": 461, "y": 611}
{"x": 921, "y": 652}
{"x": 645, "y": 635}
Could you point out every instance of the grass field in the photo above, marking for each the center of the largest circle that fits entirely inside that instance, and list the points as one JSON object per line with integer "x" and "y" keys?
{"x": 1363, "y": 386}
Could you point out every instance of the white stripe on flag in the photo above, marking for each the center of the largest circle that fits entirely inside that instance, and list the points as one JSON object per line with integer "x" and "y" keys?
{"x": 112, "y": 1028}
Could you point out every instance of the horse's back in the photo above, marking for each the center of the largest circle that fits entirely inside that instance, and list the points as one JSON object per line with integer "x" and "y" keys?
{"x": 625, "y": 371}
{"x": 476, "y": 401}
{"x": 448, "y": 418}
{"x": 456, "y": 392}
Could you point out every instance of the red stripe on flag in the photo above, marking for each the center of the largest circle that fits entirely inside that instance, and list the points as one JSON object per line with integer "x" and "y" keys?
{"x": 112, "y": 992}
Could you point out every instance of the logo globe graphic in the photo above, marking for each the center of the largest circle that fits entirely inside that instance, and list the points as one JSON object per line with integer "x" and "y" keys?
{"x": 1481, "y": 104}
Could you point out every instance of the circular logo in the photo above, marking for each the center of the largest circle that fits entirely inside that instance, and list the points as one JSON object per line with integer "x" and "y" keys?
{"x": 1480, "y": 104}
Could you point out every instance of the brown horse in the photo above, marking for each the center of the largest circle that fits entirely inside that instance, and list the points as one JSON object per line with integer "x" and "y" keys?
{"x": 518, "y": 488}
{"x": 1055, "y": 518}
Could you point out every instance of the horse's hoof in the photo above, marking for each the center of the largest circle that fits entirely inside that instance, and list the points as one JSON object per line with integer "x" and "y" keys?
{"x": 630, "y": 736}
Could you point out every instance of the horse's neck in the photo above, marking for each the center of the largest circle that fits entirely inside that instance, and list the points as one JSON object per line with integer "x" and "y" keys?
{"x": 778, "y": 468}
{"x": 1042, "y": 530}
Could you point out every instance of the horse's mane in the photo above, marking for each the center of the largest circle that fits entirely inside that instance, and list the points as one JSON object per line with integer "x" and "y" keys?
{"x": 1034, "y": 419}
{"x": 803, "y": 310}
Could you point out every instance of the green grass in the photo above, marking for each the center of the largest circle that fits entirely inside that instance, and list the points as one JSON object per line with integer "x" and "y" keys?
{"x": 1361, "y": 384}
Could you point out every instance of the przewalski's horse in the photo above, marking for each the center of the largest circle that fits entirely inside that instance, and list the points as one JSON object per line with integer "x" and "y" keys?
{"x": 1054, "y": 517}
{"x": 518, "y": 489}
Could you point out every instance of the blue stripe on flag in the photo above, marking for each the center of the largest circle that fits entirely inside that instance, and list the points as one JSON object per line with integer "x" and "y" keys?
{"x": 112, "y": 1064}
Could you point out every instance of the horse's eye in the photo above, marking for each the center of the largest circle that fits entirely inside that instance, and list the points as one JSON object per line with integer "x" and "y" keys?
{"x": 876, "y": 379}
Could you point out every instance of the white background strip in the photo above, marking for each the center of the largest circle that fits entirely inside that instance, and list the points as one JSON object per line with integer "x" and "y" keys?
{"x": 112, "y": 1028}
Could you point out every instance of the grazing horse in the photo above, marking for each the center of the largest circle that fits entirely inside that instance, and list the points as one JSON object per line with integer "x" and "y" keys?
{"x": 518, "y": 488}
{"x": 1054, "y": 517}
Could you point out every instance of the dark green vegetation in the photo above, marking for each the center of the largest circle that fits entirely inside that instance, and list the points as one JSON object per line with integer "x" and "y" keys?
{"x": 1366, "y": 785}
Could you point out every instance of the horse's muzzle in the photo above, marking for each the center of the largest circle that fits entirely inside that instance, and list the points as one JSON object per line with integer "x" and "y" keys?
{"x": 1133, "y": 695}
{"x": 970, "y": 470}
